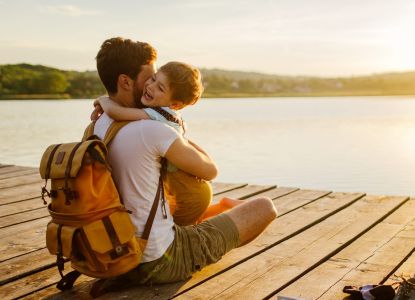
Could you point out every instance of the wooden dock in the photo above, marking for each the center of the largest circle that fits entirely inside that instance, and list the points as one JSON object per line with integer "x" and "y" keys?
{"x": 320, "y": 242}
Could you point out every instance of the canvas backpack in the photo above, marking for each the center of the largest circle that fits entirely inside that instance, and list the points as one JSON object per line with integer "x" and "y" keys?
{"x": 89, "y": 226}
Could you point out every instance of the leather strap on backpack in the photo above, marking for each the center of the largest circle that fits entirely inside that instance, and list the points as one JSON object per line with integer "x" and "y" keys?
{"x": 159, "y": 194}
{"x": 109, "y": 135}
{"x": 89, "y": 131}
{"x": 67, "y": 281}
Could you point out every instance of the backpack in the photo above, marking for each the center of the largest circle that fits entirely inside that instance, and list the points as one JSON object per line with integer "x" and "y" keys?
{"x": 89, "y": 226}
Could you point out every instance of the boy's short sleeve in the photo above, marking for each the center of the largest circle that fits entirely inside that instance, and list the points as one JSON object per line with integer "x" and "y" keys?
{"x": 154, "y": 115}
{"x": 159, "y": 136}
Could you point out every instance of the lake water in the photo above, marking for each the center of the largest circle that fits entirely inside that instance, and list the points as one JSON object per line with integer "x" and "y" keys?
{"x": 364, "y": 144}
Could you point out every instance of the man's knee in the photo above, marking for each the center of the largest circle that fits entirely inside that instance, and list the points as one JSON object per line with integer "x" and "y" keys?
{"x": 252, "y": 217}
{"x": 266, "y": 207}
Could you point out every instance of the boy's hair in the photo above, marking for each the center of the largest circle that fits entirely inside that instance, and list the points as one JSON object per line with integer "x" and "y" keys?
{"x": 185, "y": 82}
{"x": 122, "y": 56}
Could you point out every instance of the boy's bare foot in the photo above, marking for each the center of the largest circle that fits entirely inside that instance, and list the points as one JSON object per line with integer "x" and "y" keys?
{"x": 229, "y": 202}
{"x": 223, "y": 205}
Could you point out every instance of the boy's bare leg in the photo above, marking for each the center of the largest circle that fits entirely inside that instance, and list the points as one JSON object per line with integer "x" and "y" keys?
{"x": 252, "y": 217}
{"x": 223, "y": 205}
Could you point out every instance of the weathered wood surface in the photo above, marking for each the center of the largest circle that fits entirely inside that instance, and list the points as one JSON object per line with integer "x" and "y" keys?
{"x": 320, "y": 242}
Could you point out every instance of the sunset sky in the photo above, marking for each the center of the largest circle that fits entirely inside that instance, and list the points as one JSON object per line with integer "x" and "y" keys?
{"x": 291, "y": 37}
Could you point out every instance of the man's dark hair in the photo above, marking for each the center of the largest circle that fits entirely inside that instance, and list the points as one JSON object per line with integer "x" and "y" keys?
{"x": 122, "y": 56}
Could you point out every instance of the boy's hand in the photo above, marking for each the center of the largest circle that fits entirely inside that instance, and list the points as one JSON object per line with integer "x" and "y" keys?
{"x": 106, "y": 103}
{"x": 98, "y": 111}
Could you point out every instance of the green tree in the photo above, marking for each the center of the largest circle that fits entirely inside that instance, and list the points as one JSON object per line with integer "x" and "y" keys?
{"x": 51, "y": 82}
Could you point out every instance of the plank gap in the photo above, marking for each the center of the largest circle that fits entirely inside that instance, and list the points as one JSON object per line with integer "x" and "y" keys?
{"x": 391, "y": 273}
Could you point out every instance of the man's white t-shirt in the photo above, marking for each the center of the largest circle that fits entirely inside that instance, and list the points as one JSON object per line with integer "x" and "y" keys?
{"x": 134, "y": 155}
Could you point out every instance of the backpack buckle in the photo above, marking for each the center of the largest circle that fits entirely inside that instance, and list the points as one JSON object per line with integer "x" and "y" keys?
{"x": 119, "y": 251}
{"x": 45, "y": 192}
{"x": 70, "y": 195}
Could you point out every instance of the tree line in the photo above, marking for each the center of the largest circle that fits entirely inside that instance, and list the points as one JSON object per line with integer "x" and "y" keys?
{"x": 28, "y": 80}
{"x": 25, "y": 81}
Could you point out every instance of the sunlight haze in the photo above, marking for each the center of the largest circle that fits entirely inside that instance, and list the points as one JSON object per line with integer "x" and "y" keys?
{"x": 287, "y": 37}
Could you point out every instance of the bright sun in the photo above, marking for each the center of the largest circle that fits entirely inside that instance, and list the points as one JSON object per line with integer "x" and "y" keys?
{"x": 402, "y": 44}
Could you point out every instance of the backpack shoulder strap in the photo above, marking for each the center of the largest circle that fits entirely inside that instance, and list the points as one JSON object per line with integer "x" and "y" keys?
{"x": 89, "y": 131}
{"x": 113, "y": 130}
{"x": 159, "y": 194}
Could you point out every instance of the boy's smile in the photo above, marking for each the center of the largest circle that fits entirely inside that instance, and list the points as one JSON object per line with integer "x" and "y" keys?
{"x": 157, "y": 92}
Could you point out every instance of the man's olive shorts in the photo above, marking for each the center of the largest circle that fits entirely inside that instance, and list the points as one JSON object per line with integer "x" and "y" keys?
{"x": 194, "y": 247}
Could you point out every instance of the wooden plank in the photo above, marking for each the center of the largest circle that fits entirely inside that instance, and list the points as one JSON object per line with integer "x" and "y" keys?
{"x": 376, "y": 244}
{"x": 299, "y": 198}
{"x": 23, "y": 217}
{"x": 17, "y": 174}
{"x": 22, "y": 206}
{"x": 29, "y": 284}
{"x": 280, "y": 230}
{"x": 13, "y": 169}
{"x": 20, "y": 193}
{"x": 22, "y": 238}
{"x": 18, "y": 266}
{"x": 272, "y": 269}
{"x": 406, "y": 270}
{"x": 244, "y": 192}
{"x": 221, "y": 187}
{"x": 287, "y": 199}
{"x": 274, "y": 193}
{"x": 374, "y": 269}
{"x": 21, "y": 180}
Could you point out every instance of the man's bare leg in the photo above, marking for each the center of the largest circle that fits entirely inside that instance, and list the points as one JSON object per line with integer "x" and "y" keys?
{"x": 252, "y": 217}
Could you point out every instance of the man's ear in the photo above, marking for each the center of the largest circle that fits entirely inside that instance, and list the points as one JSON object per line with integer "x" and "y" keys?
{"x": 125, "y": 82}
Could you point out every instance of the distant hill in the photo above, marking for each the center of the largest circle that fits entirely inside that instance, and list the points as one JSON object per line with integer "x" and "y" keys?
{"x": 221, "y": 82}
{"x": 25, "y": 81}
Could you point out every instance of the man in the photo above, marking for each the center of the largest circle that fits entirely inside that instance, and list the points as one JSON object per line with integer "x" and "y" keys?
{"x": 173, "y": 253}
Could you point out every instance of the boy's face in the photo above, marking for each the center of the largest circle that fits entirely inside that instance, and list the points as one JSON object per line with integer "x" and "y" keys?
{"x": 157, "y": 92}
{"x": 145, "y": 73}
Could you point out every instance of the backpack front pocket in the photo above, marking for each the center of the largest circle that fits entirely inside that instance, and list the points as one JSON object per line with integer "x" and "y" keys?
{"x": 59, "y": 239}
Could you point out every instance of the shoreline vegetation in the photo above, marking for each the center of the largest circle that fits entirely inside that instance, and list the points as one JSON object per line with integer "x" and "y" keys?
{"x": 26, "y": 81}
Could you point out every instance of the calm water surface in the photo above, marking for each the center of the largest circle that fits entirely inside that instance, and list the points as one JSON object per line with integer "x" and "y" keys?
{"x": 343, "y": 144}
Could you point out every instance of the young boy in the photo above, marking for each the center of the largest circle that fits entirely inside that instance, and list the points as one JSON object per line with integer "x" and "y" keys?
{"x": 175, "y": 86}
